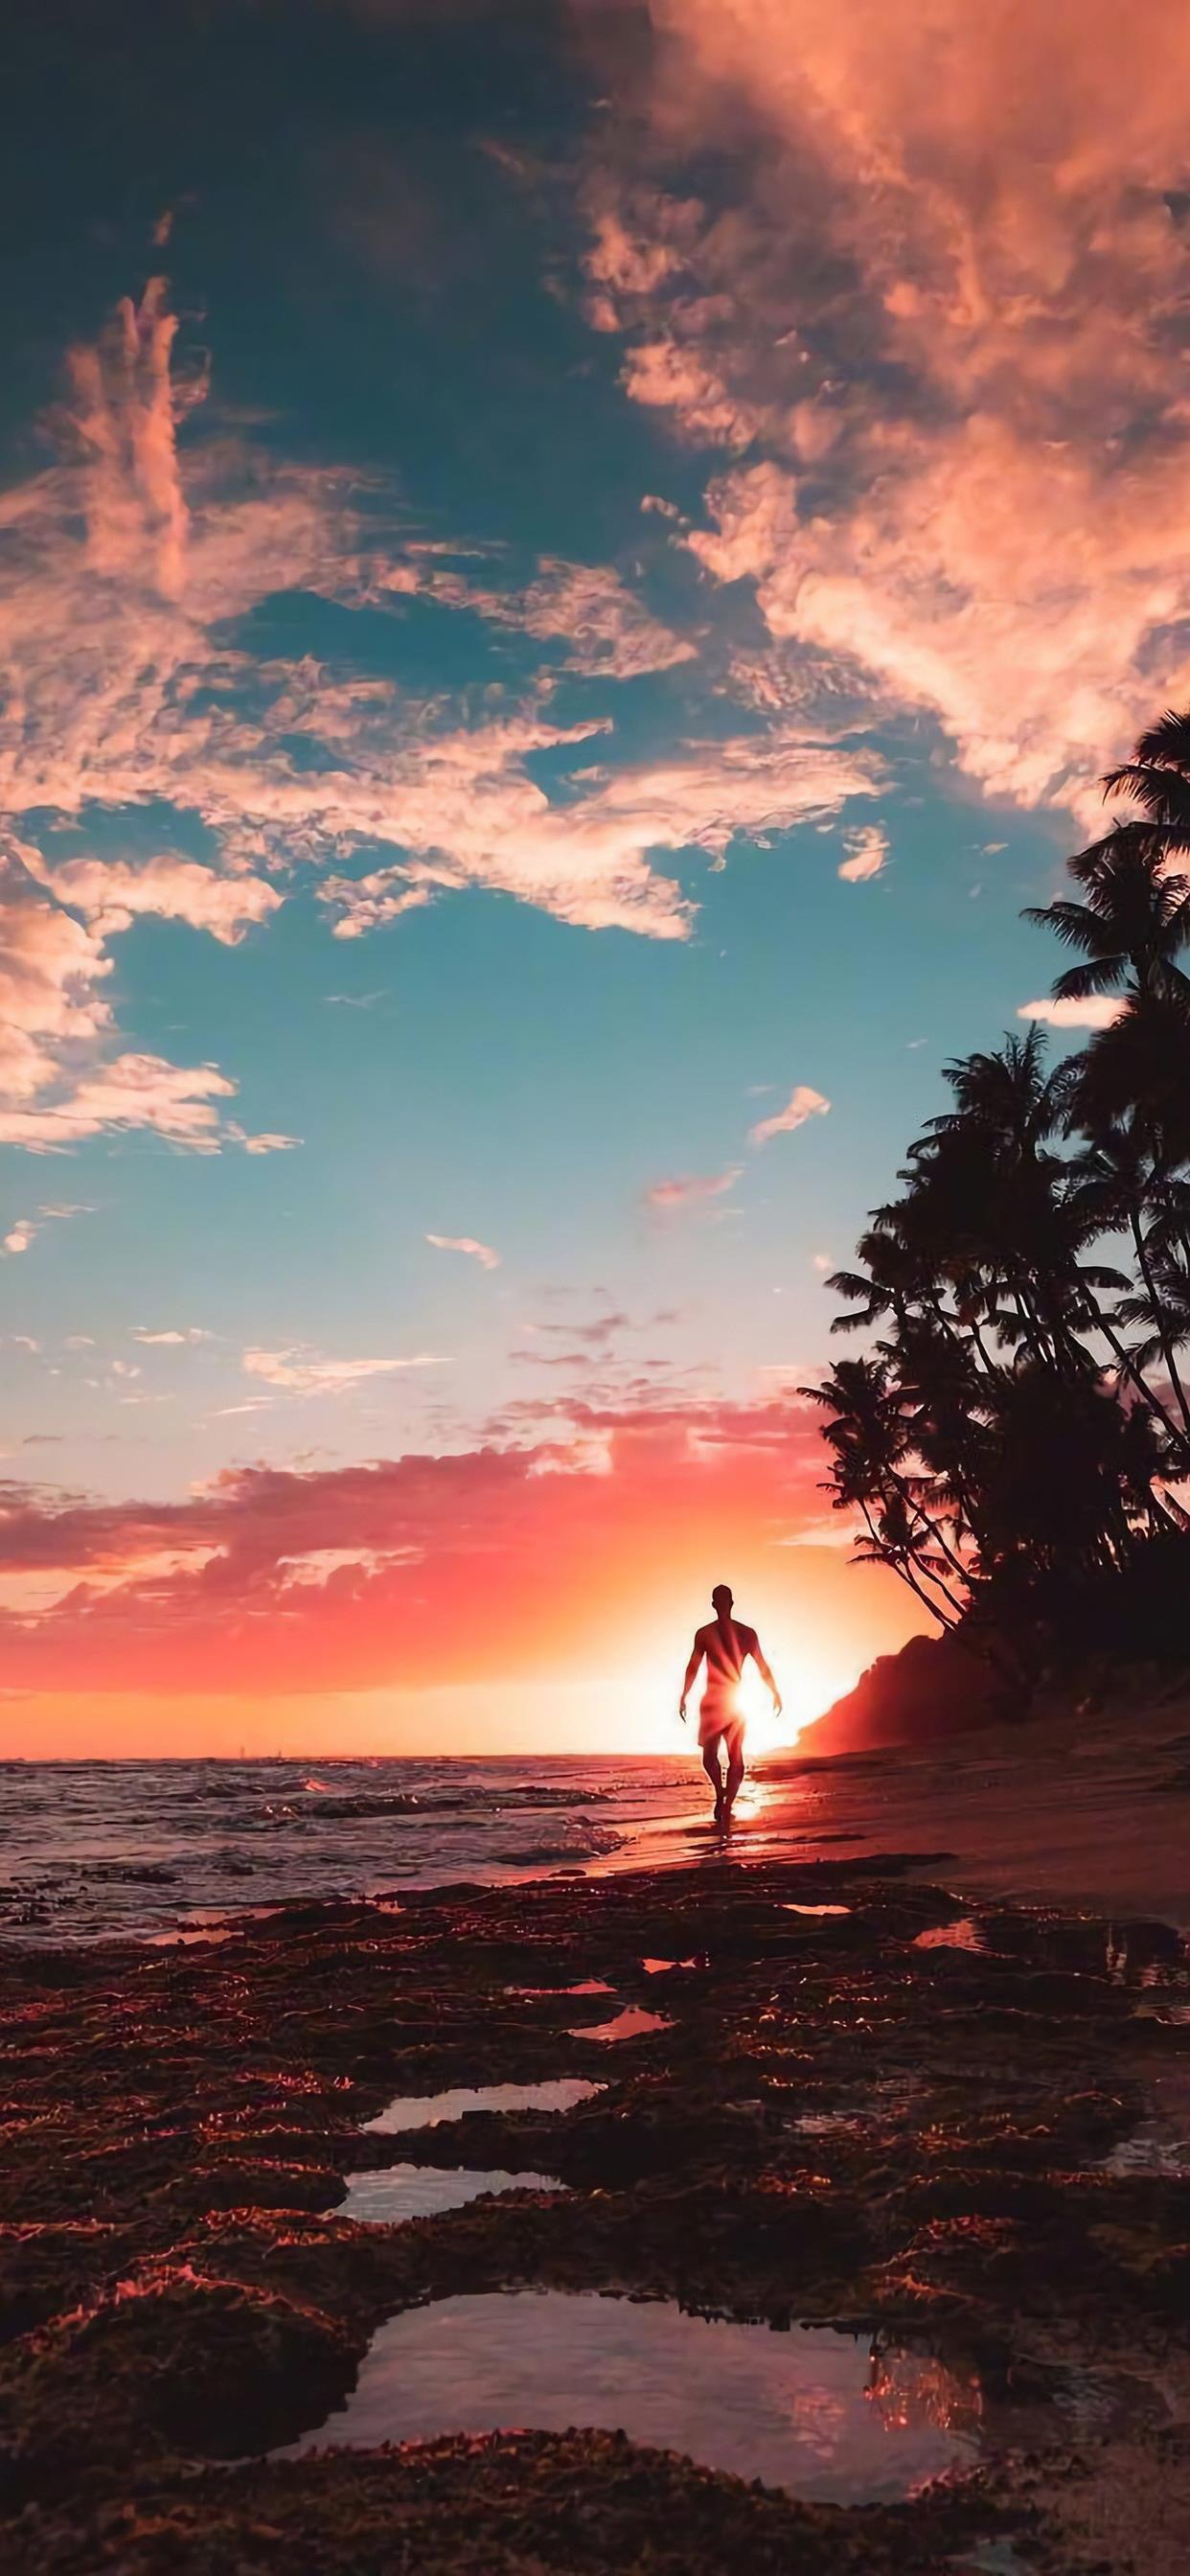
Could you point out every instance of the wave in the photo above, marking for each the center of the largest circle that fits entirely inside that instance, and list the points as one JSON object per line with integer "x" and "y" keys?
{"x": 406, "y": 1802}
{"x": 583, "y": 1839}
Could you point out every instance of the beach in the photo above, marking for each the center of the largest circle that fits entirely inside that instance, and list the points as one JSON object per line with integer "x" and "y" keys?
{"x": 603, "y": 2191}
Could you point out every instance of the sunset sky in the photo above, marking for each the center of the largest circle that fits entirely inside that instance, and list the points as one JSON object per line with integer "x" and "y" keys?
{"x": 564, "y": 574}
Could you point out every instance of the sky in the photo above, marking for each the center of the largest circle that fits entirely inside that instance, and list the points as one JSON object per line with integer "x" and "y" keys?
{"x": 565, "y": 571}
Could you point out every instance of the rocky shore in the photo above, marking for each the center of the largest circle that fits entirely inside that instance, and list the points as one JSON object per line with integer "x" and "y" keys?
{"x": 942, "y": 2132}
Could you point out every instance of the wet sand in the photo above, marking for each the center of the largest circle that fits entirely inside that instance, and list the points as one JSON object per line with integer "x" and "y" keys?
{"x": 941, "y": 2136}
{"x": 1081, "y": 1805}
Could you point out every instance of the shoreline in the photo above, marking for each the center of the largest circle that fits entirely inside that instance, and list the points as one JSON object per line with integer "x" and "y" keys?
{"x": 804, "y": 2131}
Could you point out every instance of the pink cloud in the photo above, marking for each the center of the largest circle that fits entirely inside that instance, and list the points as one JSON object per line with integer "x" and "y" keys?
{"x": 502, "y": 1559}
{"x": 867, "y": 857}
{"x": 608, "y": 629}
{"x": 688, "y": 1188}
{"x": 481, "y": 1252}
{"x": 803, "y": 1103}
{"x": 126, "y": 564}
{"x": 465, "y": 801}
{"x": 945, "y": 314}
{"x": 111, "y": 893}
{"x": 27, "y": 1228}
{"x": 267, "y": 1141}
{"x": 133, "y": 1091}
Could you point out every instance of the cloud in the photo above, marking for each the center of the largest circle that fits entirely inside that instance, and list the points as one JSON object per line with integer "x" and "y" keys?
{"x": 504, "y": 1558}
{"x": 803, "y": 1103}
{"x": 467, "y": 804}
{"x": 267, "y": 1142}
{"x": 133, "y": 1092}
{"x": 867, "y": 849}
{"x": 302, "y": 1372}
{"x": 129, "y": 569}
{"x": 175, "y": 1335}
{"x": 1096, "y": 1012}
{"x": 929, "y": 314}
{"x": 687, "y": 1188}
{"x": 27, "y": 1228}
{"x": 609, "y": 631}
{"x": 51, "y": 969}
{"x": 481, "y": 1252}
{"x": 600, "y": 1330}
{"x": 112, "y": 893}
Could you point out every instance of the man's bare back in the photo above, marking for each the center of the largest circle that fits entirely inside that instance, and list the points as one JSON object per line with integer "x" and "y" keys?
{"x": 726, "y": 1644}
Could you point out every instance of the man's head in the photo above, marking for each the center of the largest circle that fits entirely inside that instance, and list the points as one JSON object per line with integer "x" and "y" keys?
{"x": 721, "y": 1599}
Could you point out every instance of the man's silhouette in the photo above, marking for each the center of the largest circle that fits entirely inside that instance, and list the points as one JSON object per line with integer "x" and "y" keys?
{"x": 727, "y": 1644}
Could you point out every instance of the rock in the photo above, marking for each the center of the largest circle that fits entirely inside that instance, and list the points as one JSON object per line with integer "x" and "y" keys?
{"x": 933, "y": 1687}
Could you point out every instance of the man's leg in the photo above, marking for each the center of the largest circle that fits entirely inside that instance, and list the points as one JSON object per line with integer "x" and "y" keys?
{"x": 735, "y": 1767}
{"x": 710, "y": 1764}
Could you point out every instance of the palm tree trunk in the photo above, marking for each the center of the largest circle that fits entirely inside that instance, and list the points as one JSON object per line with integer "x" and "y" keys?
{"x": 1137, "y": 1379}
{"x": 1158, "y": 1317}
{"x": 905, "y": 1575}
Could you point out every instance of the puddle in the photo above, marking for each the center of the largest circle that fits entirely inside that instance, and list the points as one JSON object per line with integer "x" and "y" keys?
{"x": 815, "y": 1909}
{"x": 425, "y": 2110}
{"x": 629, "y": 2024}
{"x": 967, "y": 1934}
{"x": 807, "y": 2409}
{"x": 589, "y": 1986}
{"x": 396, "y": 2192}
{"x": 654, "y": 1967}
{"x": 1154, "y": 2147}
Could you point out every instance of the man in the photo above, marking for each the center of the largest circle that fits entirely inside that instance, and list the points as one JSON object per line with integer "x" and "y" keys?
{"x": 727, "y": 1644}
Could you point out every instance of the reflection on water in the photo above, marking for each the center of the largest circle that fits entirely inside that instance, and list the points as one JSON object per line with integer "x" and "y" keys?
{"x": 815, "y": 1909}
{"x": 797, "y": 2409}
{"x": 586, "y": 1986}
{"x": 629, "y": 2024}
{"x": 422, "y": 2191}
{"x": 1154, "y": 2146}
{"x": 909, "y": 2388}
{"x": 426, "y": 2110}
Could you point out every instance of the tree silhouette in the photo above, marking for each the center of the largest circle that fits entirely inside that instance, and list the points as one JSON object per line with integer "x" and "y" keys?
{"x": 1012, "y": 1441}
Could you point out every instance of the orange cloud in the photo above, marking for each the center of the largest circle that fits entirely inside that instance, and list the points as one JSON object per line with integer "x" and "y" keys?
{"x": 499, "y": 1561}
{"x": 803, "y": 1103}
{"x": 867, "y": 857}
{"x": 134, "y": 1091}
{"x": 608, "y": 630}
{"x": 481, "y": 1252}
{"x": 940, "y": 304}
{"x": 111, "y": 893}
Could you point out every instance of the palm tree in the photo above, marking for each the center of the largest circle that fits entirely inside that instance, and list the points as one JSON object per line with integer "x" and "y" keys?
{"x": 1136, "y": 917}
{"x": 870, "y": 1447}
{"x": 1112, "y": 1179}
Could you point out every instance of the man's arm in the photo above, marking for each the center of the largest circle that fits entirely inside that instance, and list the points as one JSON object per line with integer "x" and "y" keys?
{"x": 697, "y": 1652}
{"x": 762, "y": 1667}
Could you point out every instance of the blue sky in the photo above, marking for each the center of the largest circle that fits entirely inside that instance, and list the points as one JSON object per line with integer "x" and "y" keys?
{"x": 499, "y": 515}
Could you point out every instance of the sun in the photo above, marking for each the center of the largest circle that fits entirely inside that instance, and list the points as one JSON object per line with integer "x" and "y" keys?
{"x": 807, "y": 1688}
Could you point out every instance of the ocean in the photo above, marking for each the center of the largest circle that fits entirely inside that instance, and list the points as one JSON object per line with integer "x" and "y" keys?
{"x": 148, "y": 1849}
{"x": 1089, "y": 1811}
